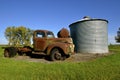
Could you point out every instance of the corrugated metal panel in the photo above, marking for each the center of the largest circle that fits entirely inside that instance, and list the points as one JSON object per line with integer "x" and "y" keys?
{"x": 90, "y": 36}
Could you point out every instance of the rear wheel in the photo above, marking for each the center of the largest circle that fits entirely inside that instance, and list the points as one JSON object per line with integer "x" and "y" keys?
{"x": 56, "y": 54}
{"x": 6, "y": 53}
{"x": 10, "y": 52}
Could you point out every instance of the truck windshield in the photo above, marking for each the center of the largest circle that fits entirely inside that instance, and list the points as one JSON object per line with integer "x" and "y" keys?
{"x": 40, "y": 34}
{"x": 50, "y": 35}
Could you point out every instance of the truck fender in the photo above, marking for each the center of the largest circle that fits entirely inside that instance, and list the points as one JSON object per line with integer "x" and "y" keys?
{"x": 61, "y": 46}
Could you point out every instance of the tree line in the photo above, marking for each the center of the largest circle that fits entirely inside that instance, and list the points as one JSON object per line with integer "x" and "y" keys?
{"x": 18, "y": 36}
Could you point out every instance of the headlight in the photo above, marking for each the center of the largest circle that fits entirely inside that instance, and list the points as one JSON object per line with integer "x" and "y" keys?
{"x": 72, "y": 48}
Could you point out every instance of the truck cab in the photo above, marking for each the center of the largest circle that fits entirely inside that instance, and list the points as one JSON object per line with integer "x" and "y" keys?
{"x": 41, "y": 39}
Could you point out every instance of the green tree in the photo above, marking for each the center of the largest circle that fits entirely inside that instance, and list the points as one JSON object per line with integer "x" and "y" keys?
{"x": 9, "y": 34}
{"x": 18, "y": 35}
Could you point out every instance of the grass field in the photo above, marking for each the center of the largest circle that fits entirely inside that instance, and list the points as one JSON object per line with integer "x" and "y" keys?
{"x": 103, "y": 68}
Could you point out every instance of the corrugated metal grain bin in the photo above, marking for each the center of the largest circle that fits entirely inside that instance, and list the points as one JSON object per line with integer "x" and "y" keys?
{"x": 90, "y": 35}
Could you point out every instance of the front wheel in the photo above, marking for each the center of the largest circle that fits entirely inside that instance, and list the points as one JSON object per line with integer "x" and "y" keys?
{"x": 55, "y": 54}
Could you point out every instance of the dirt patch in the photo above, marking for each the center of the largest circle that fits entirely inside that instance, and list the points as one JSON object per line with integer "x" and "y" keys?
{"x": 78, "y": 57}
{"x": 84, "y": 57}
{"x": 34, "y": 58}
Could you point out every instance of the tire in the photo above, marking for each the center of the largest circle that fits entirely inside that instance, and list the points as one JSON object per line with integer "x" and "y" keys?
{"x": 6, "y": 53}
{"x": 55, "y": 55}
{"x": 10, "y": 52}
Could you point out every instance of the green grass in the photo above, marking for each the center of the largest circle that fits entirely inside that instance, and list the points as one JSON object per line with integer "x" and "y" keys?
{"x": 114, "y": 47}
{"x": 104, "y": 68}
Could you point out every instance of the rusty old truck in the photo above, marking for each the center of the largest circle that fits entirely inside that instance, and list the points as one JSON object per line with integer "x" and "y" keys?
{"x": 44, "y": 42}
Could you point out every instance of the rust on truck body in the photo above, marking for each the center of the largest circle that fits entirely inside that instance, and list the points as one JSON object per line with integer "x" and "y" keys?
{"x": 41, "y": 39}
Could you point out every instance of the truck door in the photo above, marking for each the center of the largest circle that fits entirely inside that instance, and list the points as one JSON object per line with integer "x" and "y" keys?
{"x": 39, "y": 41}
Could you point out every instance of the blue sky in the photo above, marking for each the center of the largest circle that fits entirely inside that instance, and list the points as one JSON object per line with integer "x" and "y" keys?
{"x": 56, "y": 14}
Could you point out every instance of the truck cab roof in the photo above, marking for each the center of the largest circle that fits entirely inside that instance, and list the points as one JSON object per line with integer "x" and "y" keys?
{"x": 43, "y": 33}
